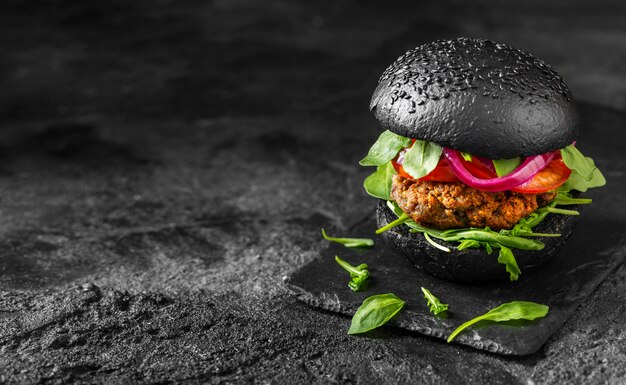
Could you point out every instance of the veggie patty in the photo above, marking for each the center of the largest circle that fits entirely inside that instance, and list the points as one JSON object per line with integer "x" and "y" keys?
{"x": 447, "y": 205}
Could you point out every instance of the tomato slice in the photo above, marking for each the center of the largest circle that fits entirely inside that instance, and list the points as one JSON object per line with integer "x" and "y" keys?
{"x": 555, "y": 174}
{"x": 477, "y": 168}
{"x": 441, "y": 173}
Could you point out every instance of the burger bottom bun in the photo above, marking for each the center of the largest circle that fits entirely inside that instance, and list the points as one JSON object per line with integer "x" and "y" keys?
{"x": 472, "y": 265}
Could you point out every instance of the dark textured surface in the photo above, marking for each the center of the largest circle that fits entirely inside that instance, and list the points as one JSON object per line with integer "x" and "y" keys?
{"x": 472, "y": 265}
{"x": 463, "y": 93}
{"x": 165, "y": 163}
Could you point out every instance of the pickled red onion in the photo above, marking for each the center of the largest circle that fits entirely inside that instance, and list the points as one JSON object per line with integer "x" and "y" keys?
{"x": 529, "y": 167}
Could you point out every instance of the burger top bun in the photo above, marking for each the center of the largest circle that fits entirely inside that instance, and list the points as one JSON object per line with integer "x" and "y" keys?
{"x": 477, "y": 96}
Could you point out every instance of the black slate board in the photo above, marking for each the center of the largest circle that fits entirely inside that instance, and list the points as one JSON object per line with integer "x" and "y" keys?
{"x": 596, "y": 247}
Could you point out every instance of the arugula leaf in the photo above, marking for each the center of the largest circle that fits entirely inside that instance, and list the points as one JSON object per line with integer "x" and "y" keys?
{"x": 578, "y": 182}
{"x": 585, "y": 174}
{"x": 564, "y": 199}
{"x": 575, "y": 160}
{"x": 385, "y": 149}
{"x": 466, "y": 156}
{"x": 510, "y": 311}
{"x": 506, "y": 166}
{"x": 404, "y": 218}
{"x": 435, "y": 244}
{"x": 505, "y": 240}
{"x": 358, "y": 274}
{"x": 458, "y": 235}
{"x": 507, "y": 258}
{"x": 421, "y": 158}
{"x": 434, "y": 304}
{"x": 349, "y": 242}
{"x": 468, "y": 244}
{"x": 374, "y": 312}
{"x": 556, "y": 210}
{"x": 378, "y": 184}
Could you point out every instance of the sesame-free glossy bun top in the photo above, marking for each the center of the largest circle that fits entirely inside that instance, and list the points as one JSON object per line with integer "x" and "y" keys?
{"x": 477, "y": 96}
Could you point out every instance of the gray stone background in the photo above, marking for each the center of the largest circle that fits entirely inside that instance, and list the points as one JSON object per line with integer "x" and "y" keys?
{"x": 163, "y": 164}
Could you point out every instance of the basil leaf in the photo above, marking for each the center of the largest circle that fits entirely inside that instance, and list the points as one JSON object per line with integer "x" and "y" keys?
{"x": 358, "y": 274}
{"x": 434, "y": 304}
{"x": 506, "y": 166}
{"x": 349, "y": 242}
{"x": 385, "y": 149}
{"x": 421, "y": 158}
{"x": 575, "y": 160}
{"x": 507, "y": 258}
{"x": 510, "y": 311}
{"x": 378, "y": 184}
{"x": 374, "y": 312}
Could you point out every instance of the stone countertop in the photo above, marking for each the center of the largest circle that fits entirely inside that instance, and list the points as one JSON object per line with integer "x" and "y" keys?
{"x": 164, "y": 165}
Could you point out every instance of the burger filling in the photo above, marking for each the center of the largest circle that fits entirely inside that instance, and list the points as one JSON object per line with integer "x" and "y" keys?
{"x": 476, "y": 202}
{"x": 448, "y": 205}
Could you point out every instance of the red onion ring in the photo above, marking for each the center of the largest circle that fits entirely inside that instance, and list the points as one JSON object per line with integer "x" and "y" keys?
{"x": 529, "y": 167}
{"x": 486, "y": 162}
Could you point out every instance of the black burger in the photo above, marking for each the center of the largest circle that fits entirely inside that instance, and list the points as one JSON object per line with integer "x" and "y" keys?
{"x": 477, "y": 170}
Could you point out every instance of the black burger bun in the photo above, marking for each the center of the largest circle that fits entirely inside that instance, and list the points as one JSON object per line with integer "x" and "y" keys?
{"x": 477, "y": 96}
{"x": 472, "y": 265}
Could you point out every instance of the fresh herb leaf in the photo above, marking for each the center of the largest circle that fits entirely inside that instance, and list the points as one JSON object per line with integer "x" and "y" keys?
{"x": 434, "y": 304}
{"x": 374, "y": 312}
{"x": 575, "y": 160}
{"x": 564, "y": 199}
{"x": 510, "y": 311}
{"x": 468, "y": 244}
{"x": 378, "y": 184}
{"x": 578, "y": 182}
{"x": 466, "y": 156}
{"x": 358, "y": 274}
{"x": 385, "y": 149}
{"x": 458, "y": 235}
{"x": 555, "y": 210}
{"x": 506, "y": 166}
{"x": 403, "y": 218}
{"x": 507, "y": 258}
{"x": 349, "y": 242}
{"x": 421, "y": 158}
{"x": 435, "y": 244}
{"x": 505, "y": 240}
{"x": 585, "y": 174}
